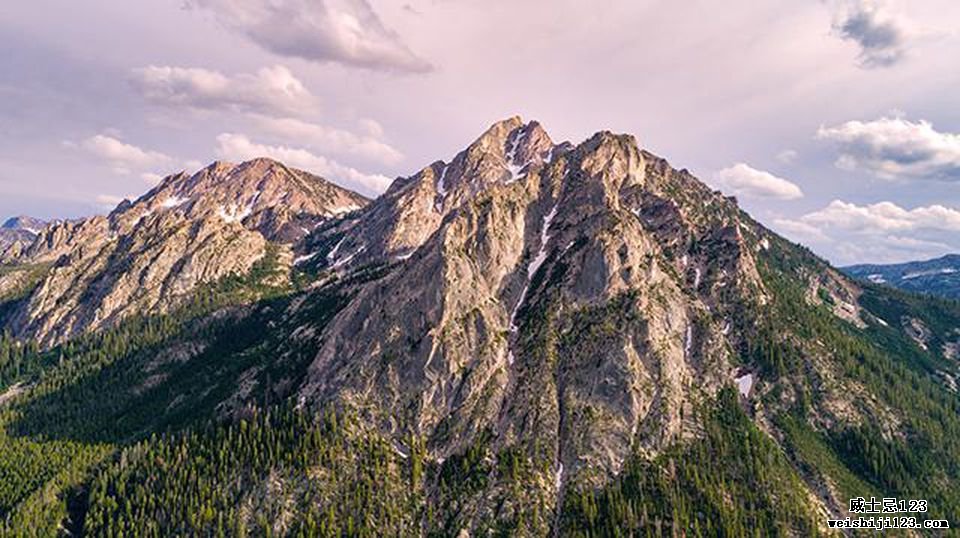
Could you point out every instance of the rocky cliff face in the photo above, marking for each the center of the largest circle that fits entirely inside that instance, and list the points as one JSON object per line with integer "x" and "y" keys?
{"x": 584, "y": 298}
{"x": 535, "y": 331}
{"x": 150, "y": 254}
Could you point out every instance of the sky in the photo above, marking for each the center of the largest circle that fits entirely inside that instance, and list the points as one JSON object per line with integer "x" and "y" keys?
{"x": 834, "y": 122}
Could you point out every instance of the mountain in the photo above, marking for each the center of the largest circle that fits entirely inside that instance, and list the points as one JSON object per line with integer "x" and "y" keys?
{"x": 530, "y": 338}
{"x": 149, "y": 255}
{"x": 940, "y": 276}
{"x": 18, "y": 231}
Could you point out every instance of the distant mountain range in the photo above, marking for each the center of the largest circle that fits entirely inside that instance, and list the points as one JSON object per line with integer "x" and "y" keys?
{"x": 940, "y": 276}
{"x": 22, "y": 230}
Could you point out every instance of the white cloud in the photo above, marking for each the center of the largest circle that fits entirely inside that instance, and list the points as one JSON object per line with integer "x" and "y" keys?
{"x": 109, "y": 201}
{"x": 880, "y": 36}
{"x": 151, "y": 178}
{"x": 330, "y": 139}
{"x": 371, "y": 127}
{"x": 881, "y": 232}
{"x": 344, "y": 31}
{"x": 238, "y": 147}
{"x": 788, "y": 156}
{"x": 270, "y": 89}
{"x": 123, "y": 157}
{"x": 883, "y": 217}
{"x": 799, "y": 230}
{"x": 742, "y": 179}
{"x": 896, "y": 148}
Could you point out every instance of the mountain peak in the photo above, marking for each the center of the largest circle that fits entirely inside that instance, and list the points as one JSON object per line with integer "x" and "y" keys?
{"x": 23, "y": 222}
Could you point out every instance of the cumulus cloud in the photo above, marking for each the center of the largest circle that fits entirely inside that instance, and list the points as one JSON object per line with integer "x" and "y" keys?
{"x": 238, "y": 147}
{"x": 742, "y": 179}
{"x": 896, "y": 148}
{"x": 271, "y": 89}
{"x": 344, "y": 31}
{"x": 881, "y": 232}
{"x": 123, "y": 157}
{"x": 330, "y": 139}
{"x": 880, "y": 36}
{"x": 883, "y": 217}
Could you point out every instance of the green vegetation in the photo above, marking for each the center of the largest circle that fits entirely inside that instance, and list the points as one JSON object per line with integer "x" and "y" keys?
{"x": 918, "y": 456}
{"x": 183, "y": 424}
{"x": 279, "y": 473}
{"x": 733, "y": 482}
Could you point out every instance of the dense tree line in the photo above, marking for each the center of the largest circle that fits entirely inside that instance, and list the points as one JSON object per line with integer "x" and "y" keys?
{"x": 280, "y": 473}
{"x": 733, "y": 482}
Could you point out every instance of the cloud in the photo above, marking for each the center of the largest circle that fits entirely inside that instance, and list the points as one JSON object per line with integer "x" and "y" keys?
{"x": 343, "y": 31}
{"x": 882, "y": 38}
{"x": 123, "y": 157}
{"x": 895, "y": 148}
{"x": 108, "y": 202}
{"x": 151, "y": 178}
{"x": 884, "y": 217}
{"x": 881, "y": 232}
{"x": 741, "y": 179}
{"x": 270, "y": 89}
{"x": 238, "y": 147}
{"x": 330, "y": 139}
{"x": 788, "y": 156}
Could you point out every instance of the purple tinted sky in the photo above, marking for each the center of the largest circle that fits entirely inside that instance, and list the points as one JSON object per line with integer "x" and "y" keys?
{"x": 834, "y": 122}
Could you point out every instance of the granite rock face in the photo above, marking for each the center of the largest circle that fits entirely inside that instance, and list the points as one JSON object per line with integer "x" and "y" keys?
{"x": 150, "y": 254}
{"x": 585, "y": 297}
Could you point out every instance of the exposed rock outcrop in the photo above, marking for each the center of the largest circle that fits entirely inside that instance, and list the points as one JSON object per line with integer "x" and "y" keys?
{"x": 149, "y": 254}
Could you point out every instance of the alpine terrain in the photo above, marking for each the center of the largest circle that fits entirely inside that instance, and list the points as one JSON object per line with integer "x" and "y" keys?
{"x": 940, "y": 276}
{"x": 531, "y": 338}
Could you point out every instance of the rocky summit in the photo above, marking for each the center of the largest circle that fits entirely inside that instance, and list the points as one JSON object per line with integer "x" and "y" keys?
{"x": 149, "y": 254}
{"x": 531, "y": 338}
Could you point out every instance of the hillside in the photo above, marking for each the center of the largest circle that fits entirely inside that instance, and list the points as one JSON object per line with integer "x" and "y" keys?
{"x": 940, "y": 276}
{"x": 530, "y": 338}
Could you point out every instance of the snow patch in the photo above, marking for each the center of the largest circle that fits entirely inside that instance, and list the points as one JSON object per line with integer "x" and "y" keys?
{"x": 559, "y": 477}
{"x": 346, "y": 260}
{"x": 535, "y": 263}
{"x": 442, "y": 188}
{"x": 688, "y": 341}
{"x": 340, "y": 210}
{"x": 696, "y": 278}
{"x": 516, "y": 308}
{"x": 336, "y": 248}
{"x": 303, "y": 259}
{"x": 544, "y": 239}
{"x": 916, "y": 274}
{"x": 510, "y": 357}
{"x": 744, "y": 384}
{"x": 512, "y": 166}
{"x": 174, "y": 201}
{"x": 233, "y": 213}
{"x": 876, "y": 278}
